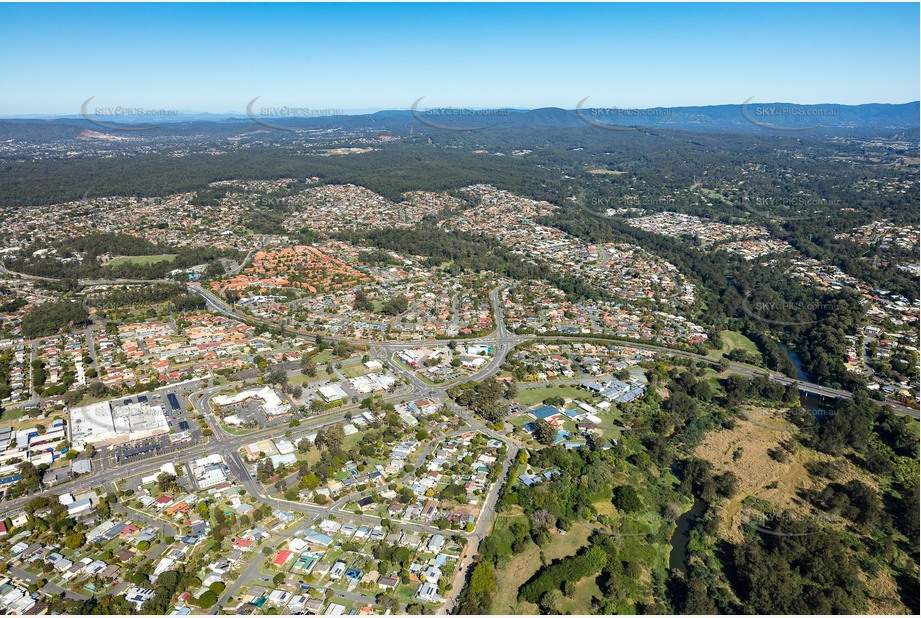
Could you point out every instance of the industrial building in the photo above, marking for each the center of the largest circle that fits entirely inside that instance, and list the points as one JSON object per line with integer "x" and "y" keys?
{"x": 111, "y": 422}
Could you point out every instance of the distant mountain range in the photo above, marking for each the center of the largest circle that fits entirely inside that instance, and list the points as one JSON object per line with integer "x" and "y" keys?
{"x": 750, "y": 117}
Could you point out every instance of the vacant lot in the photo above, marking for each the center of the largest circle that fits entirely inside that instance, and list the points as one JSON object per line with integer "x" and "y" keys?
{"x": 746, "y": 451}
{"x": 581, "y": 601}
{"x": 524, "y": 565}
{"x": 733, "y": 340}
{"x": 607, "y": 172}
{"x": 141, "y": 259}
{"x": 353, "y": 370}
{"x": 533, "y": 396}
{"x": 313, "y": 455}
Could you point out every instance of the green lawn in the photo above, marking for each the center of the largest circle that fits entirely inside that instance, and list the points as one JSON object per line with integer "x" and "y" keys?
{"x": 581, "y": 600}
{"x": 533, "y": 396}
{"x": 733, "y": 340}
{"x": 353, "y": 370}
{"x": 520, "y": 420}
{"x": 299, "y": 379}
{"x": 238, "y": 431}
{"x": 611, "y": 423}
{"x": 141, "y": 259}
{"x": 323, "y": 357}
{"x": 12, "y": 413}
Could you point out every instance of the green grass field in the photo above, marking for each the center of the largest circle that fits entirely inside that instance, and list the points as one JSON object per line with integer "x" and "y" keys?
{"x": 611, "y": 423}
{"x": 586, "y": 588}
{"x": 141, "y": 259}
{"x": 533, "y": 396}
{"x": 519, "y": 420}
{"x": 299, "y": 379}
{"x": 353, "y": 370}
{"x": 12, "y": 413}
{"x": 237, "y": 431}
{"x": 323, "y": 357}
{"x": 733, "y": 340}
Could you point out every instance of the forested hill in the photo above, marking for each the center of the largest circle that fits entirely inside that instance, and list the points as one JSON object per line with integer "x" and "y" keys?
{"x": 531, "y": 161}
{"x": 750, "y": 117}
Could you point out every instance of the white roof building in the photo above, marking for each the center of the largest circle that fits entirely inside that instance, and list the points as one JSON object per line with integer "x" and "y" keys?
{"x": 272, "y": 404}
{"x": 109, "y": 423}
{"x": 332, "y": 392}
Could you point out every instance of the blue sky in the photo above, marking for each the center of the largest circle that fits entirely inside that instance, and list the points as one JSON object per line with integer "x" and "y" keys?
{"x": 217, "y": 57}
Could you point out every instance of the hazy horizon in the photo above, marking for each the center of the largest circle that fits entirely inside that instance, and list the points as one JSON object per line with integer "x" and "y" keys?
{"x": 369, "y": 111}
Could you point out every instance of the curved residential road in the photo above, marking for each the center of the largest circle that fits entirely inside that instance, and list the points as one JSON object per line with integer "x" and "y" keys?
{"x": 500, "y": 337}
{"x": 502, "y": 342}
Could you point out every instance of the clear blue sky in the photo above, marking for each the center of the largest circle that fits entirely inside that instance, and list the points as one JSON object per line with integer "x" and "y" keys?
{"x": 217, "y": 57}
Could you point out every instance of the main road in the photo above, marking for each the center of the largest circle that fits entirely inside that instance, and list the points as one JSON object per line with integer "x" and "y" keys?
{"x": 501, "y": 341}
{"x": 500, "y": 338}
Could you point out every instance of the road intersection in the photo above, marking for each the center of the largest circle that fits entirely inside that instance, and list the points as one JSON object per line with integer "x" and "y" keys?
{"x": 229, "y": 444}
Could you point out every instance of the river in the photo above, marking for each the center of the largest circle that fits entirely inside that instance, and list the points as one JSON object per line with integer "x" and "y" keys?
{"x": 677, "y": 559}
{"x": 809, "y": 402}
{"x": 801, "y": 375}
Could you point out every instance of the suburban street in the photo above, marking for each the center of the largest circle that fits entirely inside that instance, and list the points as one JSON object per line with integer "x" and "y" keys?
{"x": 106, "y": 473}
{"x": 501, "y": 340}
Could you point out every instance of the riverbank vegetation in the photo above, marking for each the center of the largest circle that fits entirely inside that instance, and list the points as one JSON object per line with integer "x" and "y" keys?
{"x": 822, "y": 505}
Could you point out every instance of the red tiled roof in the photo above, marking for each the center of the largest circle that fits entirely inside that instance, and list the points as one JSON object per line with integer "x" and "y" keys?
{"x": 282, "y": 557}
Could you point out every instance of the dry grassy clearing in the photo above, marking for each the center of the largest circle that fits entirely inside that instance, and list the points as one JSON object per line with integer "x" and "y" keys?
{"x": 606, "y": 172}
{"x": 760, "y": 475}
{"x": 524, "y": 565}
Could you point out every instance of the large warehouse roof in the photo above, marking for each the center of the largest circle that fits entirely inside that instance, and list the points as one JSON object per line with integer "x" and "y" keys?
{"x": 109, "y": 422}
